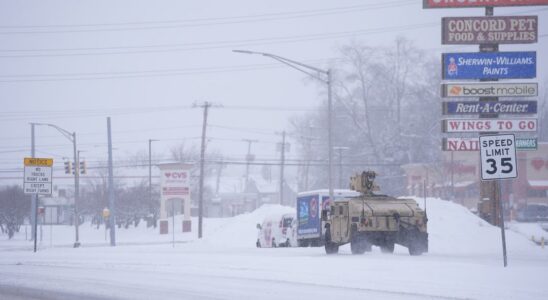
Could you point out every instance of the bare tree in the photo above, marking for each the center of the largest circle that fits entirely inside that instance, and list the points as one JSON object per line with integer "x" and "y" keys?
{"x": 386, "y": 111}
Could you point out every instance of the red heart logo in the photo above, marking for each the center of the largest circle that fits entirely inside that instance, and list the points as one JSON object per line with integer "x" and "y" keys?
{"x": 168, "y": 175}
{"x": 537, "y": 163}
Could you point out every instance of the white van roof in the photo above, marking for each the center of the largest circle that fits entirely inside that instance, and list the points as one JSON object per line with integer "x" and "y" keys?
{"x": 336, "y": 192}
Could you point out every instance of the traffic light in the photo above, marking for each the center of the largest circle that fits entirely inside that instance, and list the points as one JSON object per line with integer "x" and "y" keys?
{"x": 68, "y": 167}
{"x": 83, "y": 167}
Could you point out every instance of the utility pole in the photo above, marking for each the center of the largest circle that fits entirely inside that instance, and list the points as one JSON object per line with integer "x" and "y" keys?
{"x": 330, "y": 133}
{"x": 282, "y": 162}
{"x": 111, "y": 199}
{"x": 489, "y": 189}
{"x": 150, "y": 169}
{"x": 248, "y": 161}
{"x": 205, "y": 106}
{"x": 340, "y": 164}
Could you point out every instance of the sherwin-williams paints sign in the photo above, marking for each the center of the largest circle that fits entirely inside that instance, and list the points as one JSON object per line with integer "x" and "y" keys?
{"x": 476, "y": 3}
{"x": 489, "y": 65}
{"x": 493, "y": 30}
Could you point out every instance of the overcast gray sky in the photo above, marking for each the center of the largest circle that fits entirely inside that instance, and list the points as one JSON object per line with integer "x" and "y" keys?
{"x": 144, "y": 63}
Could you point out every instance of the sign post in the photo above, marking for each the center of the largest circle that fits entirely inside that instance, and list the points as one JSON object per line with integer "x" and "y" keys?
{"x": 37, "y": 181}
{"x": 174, "y": 186}
{"x": 498, "y": 161}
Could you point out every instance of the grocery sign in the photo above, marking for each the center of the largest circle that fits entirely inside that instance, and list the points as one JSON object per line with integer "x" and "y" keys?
{"x": 489, "y": 107}
{"x": 472, "y": 144}
{"x": 479, "y": 3}
{"x": 489, "y": 125}
{"x": 489, "y": 65}
{"x": 490, "y": 89}
{"x": 489, "y": 30}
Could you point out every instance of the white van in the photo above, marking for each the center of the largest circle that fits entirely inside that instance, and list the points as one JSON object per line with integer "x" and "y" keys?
{"x": 278, "y": 231}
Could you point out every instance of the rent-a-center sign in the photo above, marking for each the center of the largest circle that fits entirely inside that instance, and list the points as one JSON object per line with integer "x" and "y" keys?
{"x": 515, "y": 107}
{"x": 479, "y": 3}
{"x": 492, "y": 30}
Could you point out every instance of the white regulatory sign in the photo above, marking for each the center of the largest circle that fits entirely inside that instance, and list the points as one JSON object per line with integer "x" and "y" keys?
{"x": 37, "y": 178}
{"x": 498, "y": 156}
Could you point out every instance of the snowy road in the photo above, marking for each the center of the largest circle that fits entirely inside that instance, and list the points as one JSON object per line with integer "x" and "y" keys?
{"x": 198, "y": 271}
{"x": 464, "y": 262}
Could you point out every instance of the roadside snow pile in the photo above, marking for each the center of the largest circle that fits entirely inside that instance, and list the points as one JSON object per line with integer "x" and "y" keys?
{"x": 241, "y": 230}
{"x": 453, "y": 229}
{"x": 530, "y": 230}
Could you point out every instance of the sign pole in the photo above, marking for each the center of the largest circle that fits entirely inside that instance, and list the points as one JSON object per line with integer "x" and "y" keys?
{"x": 33, "y": 205}
{"x": 498, "y": 161}
{"x": 37, "y": 181}
{"x": 502, "y": 231}
{"x": 35, "y": 225}
{"x": 173, "y": 220}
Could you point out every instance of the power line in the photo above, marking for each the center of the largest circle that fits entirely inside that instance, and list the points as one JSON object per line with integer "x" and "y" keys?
{"x": 153, "y": 25}
{"x": 214, "y": 45}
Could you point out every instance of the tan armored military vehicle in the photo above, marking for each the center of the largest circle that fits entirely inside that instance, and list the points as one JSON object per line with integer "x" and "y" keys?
{"x": 372, "y": 219}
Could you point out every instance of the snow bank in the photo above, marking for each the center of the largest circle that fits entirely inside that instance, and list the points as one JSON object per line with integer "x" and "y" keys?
{"x": 530, "y": 230}
{"x": 241, "y": 230}
{"x": 453, "y": 229}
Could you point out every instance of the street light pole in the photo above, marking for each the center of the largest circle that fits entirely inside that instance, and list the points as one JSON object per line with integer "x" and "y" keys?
{"x": 304, "y": 68}
{"x": 71, "y": 137}
{"x": 76, "y": 190}
{"x": 34, "y": 197}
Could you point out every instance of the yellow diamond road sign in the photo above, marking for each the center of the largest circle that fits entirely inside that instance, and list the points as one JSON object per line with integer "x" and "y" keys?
{"x": 38, "y": 175}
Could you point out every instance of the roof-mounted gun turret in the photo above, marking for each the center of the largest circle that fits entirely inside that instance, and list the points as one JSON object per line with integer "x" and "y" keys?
{"x": 364, "y": 183}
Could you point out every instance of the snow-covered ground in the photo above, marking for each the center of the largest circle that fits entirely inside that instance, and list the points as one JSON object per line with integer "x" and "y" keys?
{"x": 464, "y": 262}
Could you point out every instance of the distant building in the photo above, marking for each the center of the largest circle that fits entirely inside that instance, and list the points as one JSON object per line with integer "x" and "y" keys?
{"x": 233, "y": 197}
{"x": 458, "y": 178}
{"x": 58, "y": 209}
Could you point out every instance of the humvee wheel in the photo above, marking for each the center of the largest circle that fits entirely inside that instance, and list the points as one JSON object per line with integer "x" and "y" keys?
{"x": 274, "y": 243}
{"x": 388, "y": 247}
{"x": 415, "y": 249}
{"x": 331, "y": 248}
{"x": 358, "y": 247}
{"x": 417, "y": 245}
{"x": 258, "y": 243}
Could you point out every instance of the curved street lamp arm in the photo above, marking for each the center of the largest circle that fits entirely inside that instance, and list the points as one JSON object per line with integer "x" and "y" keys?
{"x": 291, "y": 63}
{"x": 64, "y": 132}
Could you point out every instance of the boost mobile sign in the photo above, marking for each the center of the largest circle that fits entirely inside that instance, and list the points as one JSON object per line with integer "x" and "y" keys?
{"x": 479, "y": 3}
{"x": 493, "y": 30}
{"x": 489, "y": 65}
{"x": 490, "y": 89}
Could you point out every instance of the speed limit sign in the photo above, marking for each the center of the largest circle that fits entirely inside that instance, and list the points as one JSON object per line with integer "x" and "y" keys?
{"x": 498, "y": 156}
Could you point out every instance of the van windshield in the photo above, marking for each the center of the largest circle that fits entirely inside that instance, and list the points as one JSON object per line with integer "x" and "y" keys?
{"x": 287, "y": 222}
